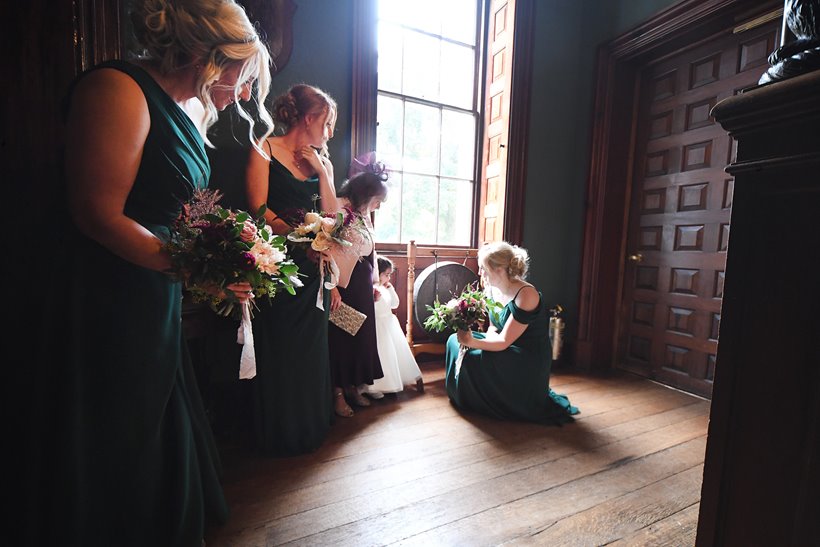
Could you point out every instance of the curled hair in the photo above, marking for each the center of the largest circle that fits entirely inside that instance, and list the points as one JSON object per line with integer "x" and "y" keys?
{"x": 384, "y": 264}
{"x": 510, "y": 258}
{"x": 301, "y": 100}
{"x": 362, "y": 187}
{"x": 211, "y": 35}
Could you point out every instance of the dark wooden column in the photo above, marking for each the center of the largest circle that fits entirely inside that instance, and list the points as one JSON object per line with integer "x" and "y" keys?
{"x": 761, "y": 481}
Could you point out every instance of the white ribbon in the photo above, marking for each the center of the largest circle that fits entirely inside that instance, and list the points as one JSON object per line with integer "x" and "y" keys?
{"x": 244, "y": 336}
{"x": 462, "y": 351}
{"x": 333, "y": 278}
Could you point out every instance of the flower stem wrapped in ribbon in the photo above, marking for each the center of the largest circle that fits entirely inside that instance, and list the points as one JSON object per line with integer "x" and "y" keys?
{"x": 213, "y": 248}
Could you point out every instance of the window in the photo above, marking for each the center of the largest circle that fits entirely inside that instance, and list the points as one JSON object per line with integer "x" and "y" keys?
{"x": 428, "y": 119}
{"x": 447, "y": 83}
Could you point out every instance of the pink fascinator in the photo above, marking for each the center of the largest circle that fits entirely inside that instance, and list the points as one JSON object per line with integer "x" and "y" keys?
{"x": 367, "y": 163}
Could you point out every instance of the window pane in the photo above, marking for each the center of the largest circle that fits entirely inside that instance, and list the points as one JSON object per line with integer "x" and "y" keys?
{"x": 421, "y": 138}
{"x": 457, "y": 75}
{"x": 423, "y": 14}
{"x": 421, "y": 66}
{"x": 389, "y": 130}
{"x": 389, "y": 57}
{"x": 458, "y": 19}
{"x": 455, "y": 215}
{"x": 419, "y": 197}
{"x": 389, "y": 214}
{"x": 457, "y": 144}
{"x": 391, "y": 10}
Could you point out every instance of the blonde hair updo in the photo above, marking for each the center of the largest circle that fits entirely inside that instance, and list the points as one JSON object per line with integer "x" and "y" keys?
{"x": 510, "y": 258}
{"x": 212, "y": 35}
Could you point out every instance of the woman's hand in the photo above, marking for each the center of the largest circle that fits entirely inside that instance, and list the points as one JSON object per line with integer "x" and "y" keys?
{"x": 311, "y": 156}
{"x": 465, "y": 337}
{"x": 376, "y": 294}
{"x": 242, "y": 291}
{"x": 335, "y": 299}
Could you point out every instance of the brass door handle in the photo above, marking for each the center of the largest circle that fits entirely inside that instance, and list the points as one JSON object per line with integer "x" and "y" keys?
{"x": 637, "y": 257}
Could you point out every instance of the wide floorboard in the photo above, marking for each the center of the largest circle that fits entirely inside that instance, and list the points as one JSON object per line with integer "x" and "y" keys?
{"x": 412, "y": 470}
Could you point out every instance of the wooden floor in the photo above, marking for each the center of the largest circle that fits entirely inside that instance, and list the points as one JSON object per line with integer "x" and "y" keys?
{"x": 411, "y": 470}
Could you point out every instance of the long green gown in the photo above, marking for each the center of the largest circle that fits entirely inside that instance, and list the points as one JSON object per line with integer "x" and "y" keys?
{"x": 293, "y": 396}
{"x": 125, "y": 454}
{"x": 510, "y": 384}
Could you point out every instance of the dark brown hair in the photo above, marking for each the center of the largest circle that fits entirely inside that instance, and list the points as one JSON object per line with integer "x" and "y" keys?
{"x": 362, "y": 187}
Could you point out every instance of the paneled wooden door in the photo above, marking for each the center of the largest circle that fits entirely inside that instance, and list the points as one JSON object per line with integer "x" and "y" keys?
{"x": 500, "y": 52}
{"x": 680, "y": 204}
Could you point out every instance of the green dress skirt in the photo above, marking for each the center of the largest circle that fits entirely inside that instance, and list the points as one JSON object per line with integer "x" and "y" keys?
{"x": 293, "y": 396}
{"x": 512, "y": 384}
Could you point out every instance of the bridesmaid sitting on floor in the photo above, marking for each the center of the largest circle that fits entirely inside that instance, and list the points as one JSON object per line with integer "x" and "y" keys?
{"x": 505, "y": 372}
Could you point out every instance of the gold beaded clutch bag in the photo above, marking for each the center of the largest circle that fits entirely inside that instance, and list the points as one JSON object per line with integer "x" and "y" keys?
{"x": 347, "y": 318}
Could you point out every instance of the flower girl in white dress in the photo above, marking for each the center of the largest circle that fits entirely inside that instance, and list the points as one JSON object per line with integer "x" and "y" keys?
{"x": 398, "y": 364}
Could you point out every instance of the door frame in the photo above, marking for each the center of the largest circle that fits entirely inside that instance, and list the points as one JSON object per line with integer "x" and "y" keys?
{"x": 617, "y": 85}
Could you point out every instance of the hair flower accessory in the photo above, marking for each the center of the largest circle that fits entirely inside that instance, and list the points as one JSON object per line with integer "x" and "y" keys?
{"x": 367, "y": 163}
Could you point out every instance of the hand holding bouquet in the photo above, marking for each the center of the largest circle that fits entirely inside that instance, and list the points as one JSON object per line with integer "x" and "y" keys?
{"x": 213, "y": 249}
{"x": 336, "y": 237}
{"x": 471, "y": 307}
{"x": 461, "y": 313}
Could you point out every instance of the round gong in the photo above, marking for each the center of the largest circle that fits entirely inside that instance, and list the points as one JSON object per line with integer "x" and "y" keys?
{"x": 445, "y": 280}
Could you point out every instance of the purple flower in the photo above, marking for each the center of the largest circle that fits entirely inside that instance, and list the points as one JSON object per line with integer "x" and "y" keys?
{"x": 247, "y": 261}
{"x": 214, "y": 232}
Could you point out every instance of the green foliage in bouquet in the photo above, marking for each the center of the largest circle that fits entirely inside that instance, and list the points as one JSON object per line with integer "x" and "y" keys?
{"x": 471, "y": 307}
{"x": 212, "y": 248}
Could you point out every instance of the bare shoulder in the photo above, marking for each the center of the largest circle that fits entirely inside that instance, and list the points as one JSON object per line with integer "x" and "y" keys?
{"x": 109, "y": 87}
{"x": 108, "y": 108}
{"x": 528, "y": 298}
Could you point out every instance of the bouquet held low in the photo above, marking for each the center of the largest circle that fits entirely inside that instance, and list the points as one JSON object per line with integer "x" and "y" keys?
{"x": 213, "y": 248}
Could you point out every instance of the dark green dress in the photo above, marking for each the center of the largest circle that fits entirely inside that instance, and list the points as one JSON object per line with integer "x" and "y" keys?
{"x": 125, "y": 453}
{"x": 293, "y": 410}
{"x": 510, "y": 384}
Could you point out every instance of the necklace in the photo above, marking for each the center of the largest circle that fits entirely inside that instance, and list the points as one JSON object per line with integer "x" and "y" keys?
{"x": 294, "y": 154}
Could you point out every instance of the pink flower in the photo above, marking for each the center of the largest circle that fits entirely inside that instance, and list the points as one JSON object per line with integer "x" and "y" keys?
{"x": 248, "y": 231}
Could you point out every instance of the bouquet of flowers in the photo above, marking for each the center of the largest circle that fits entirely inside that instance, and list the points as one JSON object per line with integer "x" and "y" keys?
{"x": 337, "y": 237}
{"x": 471, "y": 307}
{"x": 213, "y": 248}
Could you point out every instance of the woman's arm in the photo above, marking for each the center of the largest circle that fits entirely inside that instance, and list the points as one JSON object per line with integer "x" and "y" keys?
{"x": 324, "y": 170}
{"x": 327, "y": 188}
{"x": 106, "y": 130}
{"x": 257, "y": 172}
{"x": 498, "y": 341}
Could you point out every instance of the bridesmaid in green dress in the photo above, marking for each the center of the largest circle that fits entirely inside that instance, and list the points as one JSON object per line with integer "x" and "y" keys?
{"x": 292, "y": 392}
{"x": 505, "y": 372}
{"x": 125, "y": 454}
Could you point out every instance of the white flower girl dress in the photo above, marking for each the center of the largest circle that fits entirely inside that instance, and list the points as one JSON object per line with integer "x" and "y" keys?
{"x": 398, "y": 364}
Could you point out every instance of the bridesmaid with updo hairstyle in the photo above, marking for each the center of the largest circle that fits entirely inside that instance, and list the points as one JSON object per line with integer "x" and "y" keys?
{"x": 292, "y": 391}
{"x": 120, "y": 451}
{"x": 505, "y": 372}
